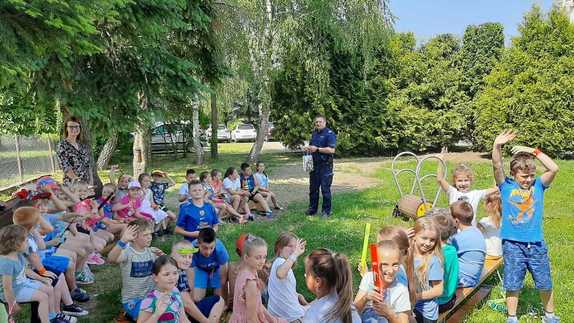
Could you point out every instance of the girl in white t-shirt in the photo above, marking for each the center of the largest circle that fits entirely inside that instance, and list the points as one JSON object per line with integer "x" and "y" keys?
{"x": 284, "y": 301}
{"x": 328, "y": 276}
{"x": 490, "y": 225}
{"x": 392, "y": 303}
{"x": 462, "y": 179}
{"x": 234, "y": 195}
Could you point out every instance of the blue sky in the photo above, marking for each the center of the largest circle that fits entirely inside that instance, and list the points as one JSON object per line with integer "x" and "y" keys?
{"x": 427, "y": 18}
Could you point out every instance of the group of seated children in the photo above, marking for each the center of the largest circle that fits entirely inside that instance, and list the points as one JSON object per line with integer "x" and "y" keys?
{"x": 419, "y": 269}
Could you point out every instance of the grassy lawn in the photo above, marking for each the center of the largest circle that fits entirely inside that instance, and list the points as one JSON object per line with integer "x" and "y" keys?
{"x": 343, "y": 233}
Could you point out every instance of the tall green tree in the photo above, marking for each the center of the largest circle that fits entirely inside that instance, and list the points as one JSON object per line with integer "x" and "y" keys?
{"x": 532, "y": 88}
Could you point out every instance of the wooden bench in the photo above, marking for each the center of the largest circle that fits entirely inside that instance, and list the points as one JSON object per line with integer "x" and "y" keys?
{"x": 468, "y": 298}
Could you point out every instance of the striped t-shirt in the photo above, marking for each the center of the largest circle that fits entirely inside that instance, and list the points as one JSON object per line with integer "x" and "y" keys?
{"x": 136, "y": 268}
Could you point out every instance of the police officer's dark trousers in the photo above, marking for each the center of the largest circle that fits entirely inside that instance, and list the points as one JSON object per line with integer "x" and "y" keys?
{"x": 321, "y": 177}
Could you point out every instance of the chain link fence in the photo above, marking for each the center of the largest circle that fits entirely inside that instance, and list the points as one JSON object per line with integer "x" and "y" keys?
{"x": 25, "y": 158}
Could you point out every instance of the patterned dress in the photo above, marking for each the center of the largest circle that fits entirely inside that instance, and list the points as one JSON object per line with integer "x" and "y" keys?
{"x": 74, "y": 159}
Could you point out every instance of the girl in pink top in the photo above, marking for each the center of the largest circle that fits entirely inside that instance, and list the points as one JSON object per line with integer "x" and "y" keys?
{"x": 247, "y": 306}
{"x": 128, "y": 207}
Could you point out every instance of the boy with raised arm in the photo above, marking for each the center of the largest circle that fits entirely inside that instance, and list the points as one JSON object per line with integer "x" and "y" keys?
{"x": 523, "y": 245}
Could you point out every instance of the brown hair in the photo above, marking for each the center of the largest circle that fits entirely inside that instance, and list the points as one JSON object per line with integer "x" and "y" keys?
{"x": 462, "y": 169}
{"x": 12, "y": 236}
{"x": 522, "y": 161}
{"x": 283, "y": 241}
{"x": 421, "y": 274}
{"x": 334, "y": 269}
{"x": 76, "y": 120}
{"x": 26, "y": 216}
{"x": 462, "y": 211}
{"x": 492, "y": 205}
{"x": 141, "y": 224}
{"x": 446, "y": 225}
{"x": 400, "y": 237}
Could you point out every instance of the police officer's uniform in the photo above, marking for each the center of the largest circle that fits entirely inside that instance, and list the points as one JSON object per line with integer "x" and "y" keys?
{"x": 322, "y": 174}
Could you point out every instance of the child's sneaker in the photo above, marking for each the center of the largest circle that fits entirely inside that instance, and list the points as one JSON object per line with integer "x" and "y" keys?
{"x": 85, "y": 277}
{"x": 550, "y": 319}
{"x": 95, "y": 259}
{"x": 63, "y": 318}
{"x": 74, "y": 310}
{"x": 80, "y": 295}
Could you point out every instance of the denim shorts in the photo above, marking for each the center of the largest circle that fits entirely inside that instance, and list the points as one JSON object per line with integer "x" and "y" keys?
{"x": 369, "y": 315}
{"x": 522, "y": 256}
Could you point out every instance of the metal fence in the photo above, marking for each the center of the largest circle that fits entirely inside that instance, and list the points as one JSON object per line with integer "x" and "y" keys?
{"x": 25, "y": 158}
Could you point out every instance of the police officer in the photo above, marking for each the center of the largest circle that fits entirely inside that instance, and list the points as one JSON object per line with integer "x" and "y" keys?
{"x": 322, "y": 147}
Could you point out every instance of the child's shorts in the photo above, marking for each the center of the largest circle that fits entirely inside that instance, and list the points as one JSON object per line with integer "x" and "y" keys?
{"x": 370, "y": 316}
{"x": 26, "y": 290}
{"x": 522, "y": 256}
{"x": 132, "y": 308}
{"x": 204, "y": 279}
{"x": 205, "y": 306}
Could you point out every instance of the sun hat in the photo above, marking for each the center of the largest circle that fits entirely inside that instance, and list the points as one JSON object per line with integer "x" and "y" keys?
{"x": 134, "y": 184}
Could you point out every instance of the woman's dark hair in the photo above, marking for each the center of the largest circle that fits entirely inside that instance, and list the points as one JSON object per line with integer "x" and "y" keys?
{"x": 76, "y": 120}
{"x": 12, "y": 236}
{"x": 203, "y": 176}
{"x": 229, "y": 171}
{"x": 334, "y": 269}
{"x": 162, "y": 261}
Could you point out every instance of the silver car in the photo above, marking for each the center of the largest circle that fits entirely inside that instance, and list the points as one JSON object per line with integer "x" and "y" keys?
{"x": 244, "y": 132}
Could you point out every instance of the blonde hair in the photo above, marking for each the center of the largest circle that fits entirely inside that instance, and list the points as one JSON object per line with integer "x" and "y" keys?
{"x": 334, "y": 269}
{"x": 182, "y": 244}
{"x": 492, "y": 205}
{"x": 282, "y": 241}
{"x": 462, "y": 169}
{"x": 26, "y": 216}
{"x": 251, "y": 243}
{"x": 421, "y": 273}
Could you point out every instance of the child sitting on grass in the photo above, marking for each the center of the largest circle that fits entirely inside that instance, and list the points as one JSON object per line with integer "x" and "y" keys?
{"x": 263, "y": 181}
{"x": 164, "y": 303}
{"x": 136, "y": 258}
{"x": 250, "y": 184}
{"x": 469, "y": 245}
{"x": 209, "y": 265}
{"x": 183, "y": 193}
{"x": 392, "y": 304}
{"x": 284, "y": 301}
{"x": 161, "y": 218}
{"x": 217, "y": 200}
{"x": 128, "y": 208}
{"x": 207, "y": 310}
{"x": 160, "y": 182}
{"x": 247, "y": 305}
{"x": 445, "y": 223}
{"x": 195, "y": 214}
{"x": 490, "y": 225}
{"x": 328, "y": 276}
{"x": 523, "y": 246}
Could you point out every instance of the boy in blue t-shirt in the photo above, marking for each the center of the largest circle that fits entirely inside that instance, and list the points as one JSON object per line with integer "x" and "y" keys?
{"x": 469, "y": 244}
{"x": 523, "y": 246}
{"x": 195, "y": 214}
{"x": 209, "y": 265}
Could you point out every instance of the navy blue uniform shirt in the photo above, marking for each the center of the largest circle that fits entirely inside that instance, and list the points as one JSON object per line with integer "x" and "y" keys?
{"x": 321, "y": 139}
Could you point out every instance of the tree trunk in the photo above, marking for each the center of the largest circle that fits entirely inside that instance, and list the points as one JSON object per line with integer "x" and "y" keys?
{"x": 87, "y": 139}
{"x": 107, "y": 151}
{"x": 261, "y": 132}
{"x": 141, "y": 141}
{"x": 214, "y": 126}
{"x": 196, "y": 135}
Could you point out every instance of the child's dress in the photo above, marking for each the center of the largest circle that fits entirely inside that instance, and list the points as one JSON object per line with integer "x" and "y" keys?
{"x": 157, "y": 214}
{"x": 240, "y": 307}
{"x": 491, "y": 237}
{"x": 172, "y": 313}
{"x": 129, "y": 214}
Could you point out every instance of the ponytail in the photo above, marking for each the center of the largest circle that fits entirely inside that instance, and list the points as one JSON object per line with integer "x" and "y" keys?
{"x": 411, "y": 279}
{"x": 335, "y": 271}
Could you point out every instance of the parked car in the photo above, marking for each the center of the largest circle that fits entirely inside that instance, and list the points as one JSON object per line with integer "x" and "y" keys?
{"x": 166, "y": 137}
{"x": 270, "y": 128}
{"x": 223, "y": 134}
{"x": 244, "y": 132}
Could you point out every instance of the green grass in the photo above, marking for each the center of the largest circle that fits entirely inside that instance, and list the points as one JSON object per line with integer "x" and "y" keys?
{"x": 344, "y": 230}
